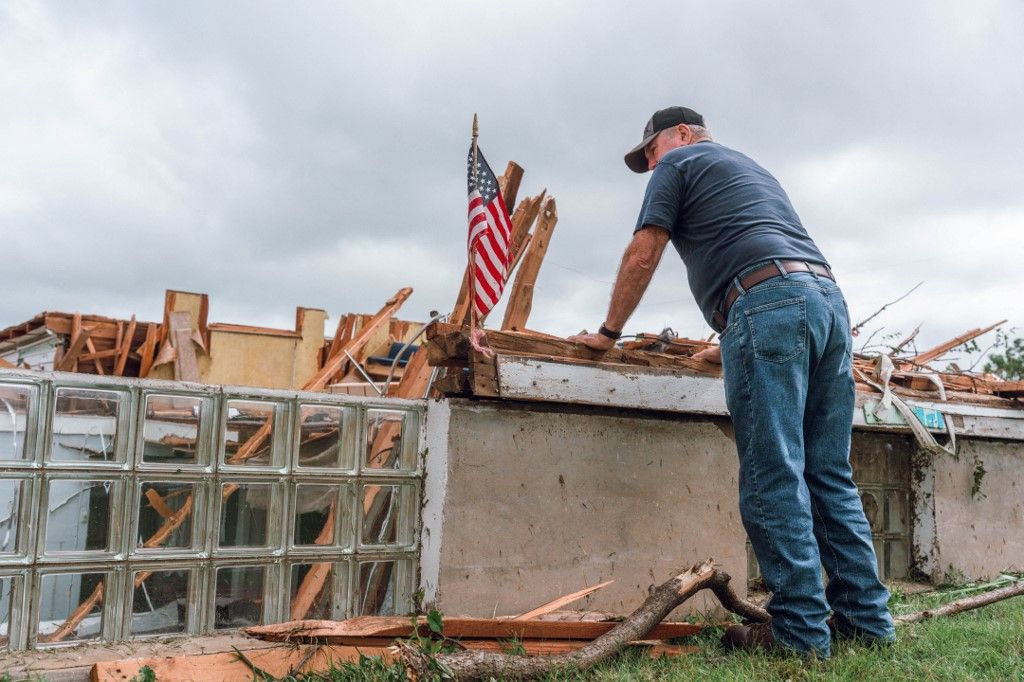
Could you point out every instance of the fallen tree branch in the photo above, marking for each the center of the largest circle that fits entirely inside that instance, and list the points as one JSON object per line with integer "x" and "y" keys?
{"x": 965, "y": 604}
{"x": 482, "y": 665}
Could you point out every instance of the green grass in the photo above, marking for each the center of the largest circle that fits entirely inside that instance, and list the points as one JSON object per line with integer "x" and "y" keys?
{"x": 986, "y": 644}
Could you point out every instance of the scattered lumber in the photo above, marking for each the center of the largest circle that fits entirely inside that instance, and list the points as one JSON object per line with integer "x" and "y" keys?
{"x": 483, "y": 665}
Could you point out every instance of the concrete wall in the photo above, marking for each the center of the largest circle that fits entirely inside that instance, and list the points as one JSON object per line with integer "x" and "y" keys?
{"x": 979, "y": 527}
{"x": 528, "y": 502}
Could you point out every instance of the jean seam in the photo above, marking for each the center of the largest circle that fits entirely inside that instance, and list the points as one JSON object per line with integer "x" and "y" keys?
{"x": 757, "y": 488}
{"x": 832, "y": 551}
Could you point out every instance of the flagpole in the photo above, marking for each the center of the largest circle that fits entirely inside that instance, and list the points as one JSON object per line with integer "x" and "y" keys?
{"x": 472, "y": 265}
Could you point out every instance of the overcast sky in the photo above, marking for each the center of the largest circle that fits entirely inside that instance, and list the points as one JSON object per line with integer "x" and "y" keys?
{"x": 313, "y": 153}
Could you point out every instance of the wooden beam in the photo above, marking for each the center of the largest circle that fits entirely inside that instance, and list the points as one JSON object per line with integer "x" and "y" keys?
{"x": 448, "y": 345}
{"x": 91, "y": 347}
{"x": 147, "y": 348}
{"x": 280, "y": 662}
{"x": 158, "y": 503}
{"x": 520, "y": 300}
{"x": 470, "y": 628}
{"x": 8, "y": 365}
{"x": 509, "y": 183}
{"x": 70, "y": 359}
{"x": 932, "y": 353}
{"x": 186, "y": 364}
{"x": 126, "y": 346}
{"x": 1008, "y": 389}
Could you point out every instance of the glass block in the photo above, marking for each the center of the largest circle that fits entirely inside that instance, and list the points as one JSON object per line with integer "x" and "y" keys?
{"x": 238, "y": 596}
{"x": 6, "y": 595}
{"x": 318, "y": 591}
{"x": 60, "y": 595}
{"x": 388, "y": 512}
{"x": 872, "y": 509}
{"x": 318, "y": 510}
{"x": 160, "y": 602}
{"x": 897, "y": 559}
{"x": 384, "y": 589}
{"x": 249, "y": 432}
{"x": 245, "y": 514}
{"x": 170, "y": 431}
{"x": 78, "y": 515}
{"x": 896, "y": 511}
{"x": 12, "y": 494}
{"x": 14, "y": 407}
{"x": 322, "y": 437}
{"x": 85, "y": 425}
{"x": 385, "y": 448}
{"x": 159, "y": 505}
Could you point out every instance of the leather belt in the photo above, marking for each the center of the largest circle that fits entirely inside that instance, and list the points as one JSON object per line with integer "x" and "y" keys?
{"x": 755, "y": 277}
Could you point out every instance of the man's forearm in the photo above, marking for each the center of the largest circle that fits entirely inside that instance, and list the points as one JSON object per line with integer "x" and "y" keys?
{"x": 634, "y": 276}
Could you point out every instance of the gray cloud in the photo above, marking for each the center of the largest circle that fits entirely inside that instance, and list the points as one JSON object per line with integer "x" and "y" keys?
{"x": 311, "y": 153}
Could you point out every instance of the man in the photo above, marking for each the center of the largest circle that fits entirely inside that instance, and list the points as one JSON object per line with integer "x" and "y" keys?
{"x": 785, "y": 348}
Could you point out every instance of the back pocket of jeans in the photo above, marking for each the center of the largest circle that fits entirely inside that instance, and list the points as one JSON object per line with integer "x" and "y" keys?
{"x": 778, "y": 330}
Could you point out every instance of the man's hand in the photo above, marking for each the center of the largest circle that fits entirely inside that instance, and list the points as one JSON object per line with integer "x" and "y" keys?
{"x": 598, "y": 342}
{"x": 712, "y": 355}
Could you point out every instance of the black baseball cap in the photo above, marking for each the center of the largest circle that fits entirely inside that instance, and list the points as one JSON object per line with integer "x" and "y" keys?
{"x": 661, "y": 120}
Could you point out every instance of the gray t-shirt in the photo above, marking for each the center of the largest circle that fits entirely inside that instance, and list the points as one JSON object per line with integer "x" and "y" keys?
{"x": 724, "y": 213}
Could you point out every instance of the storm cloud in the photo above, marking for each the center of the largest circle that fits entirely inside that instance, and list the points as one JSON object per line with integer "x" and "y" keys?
{"x": 311, "y": 153}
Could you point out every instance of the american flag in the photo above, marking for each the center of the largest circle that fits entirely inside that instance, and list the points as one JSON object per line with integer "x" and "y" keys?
{"x": 490, "y": 232}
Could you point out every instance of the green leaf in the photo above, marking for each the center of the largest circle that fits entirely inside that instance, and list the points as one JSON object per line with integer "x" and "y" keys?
{"x": 434, "y": 622}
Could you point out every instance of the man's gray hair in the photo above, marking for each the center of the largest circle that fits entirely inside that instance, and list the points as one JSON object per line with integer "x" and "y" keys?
{"x": 701, "y": 132}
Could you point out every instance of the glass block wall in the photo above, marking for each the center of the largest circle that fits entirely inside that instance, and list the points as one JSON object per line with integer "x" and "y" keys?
{"x": 133, "y": 508}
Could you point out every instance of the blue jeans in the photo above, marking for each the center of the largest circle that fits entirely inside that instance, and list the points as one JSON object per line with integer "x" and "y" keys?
{"x": 786, "y": 354}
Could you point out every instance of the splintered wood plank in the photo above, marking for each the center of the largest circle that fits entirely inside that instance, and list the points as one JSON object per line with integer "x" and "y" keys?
{"x": 70, "y": 358}
{"x": 229, "y": 667}
{"x": 520, "y": 300}
{"x": 932, "y": 353}
{"x": 4, "y": 363}
{"x": 565, "y": 600}
{"x": 470, "y": 628}
{"x": 509, "y": 183}
{"x": 126, "y": 346}
{"x": 147, "y": 348}
{"x": 186, "y": 364}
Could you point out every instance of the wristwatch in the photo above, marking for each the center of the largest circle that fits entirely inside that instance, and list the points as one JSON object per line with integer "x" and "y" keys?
{"x": 605, "y": 331}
